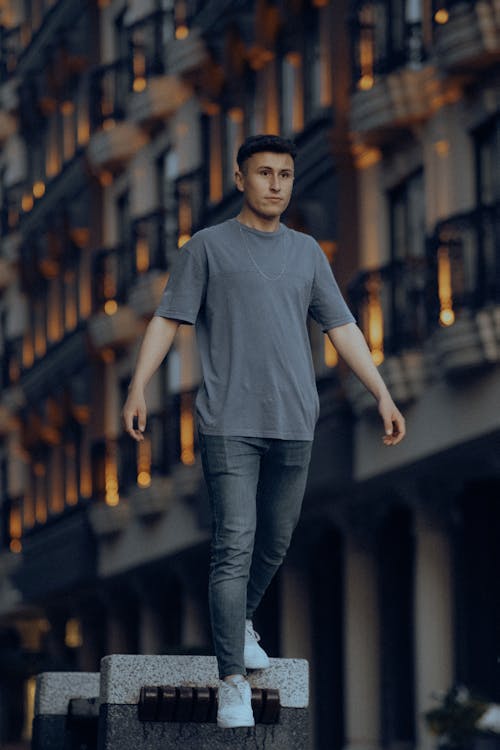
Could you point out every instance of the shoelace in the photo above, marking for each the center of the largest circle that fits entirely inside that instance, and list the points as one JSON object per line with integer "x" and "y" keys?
{"x": 241, "y": 687}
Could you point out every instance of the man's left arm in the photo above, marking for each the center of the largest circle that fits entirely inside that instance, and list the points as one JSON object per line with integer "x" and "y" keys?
{"x": 350, "y": 343}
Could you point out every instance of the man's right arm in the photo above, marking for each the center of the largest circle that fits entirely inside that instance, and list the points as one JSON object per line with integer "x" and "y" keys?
{"x": 157, "y": 341}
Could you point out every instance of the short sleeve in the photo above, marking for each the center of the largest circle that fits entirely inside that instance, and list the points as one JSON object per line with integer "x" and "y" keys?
{"x": 186, "y": 286}
{"x": 327, "y": 305}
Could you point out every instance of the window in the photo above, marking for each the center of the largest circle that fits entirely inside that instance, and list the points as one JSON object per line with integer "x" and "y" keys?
{"x": 407, "y": 220}
{"x": 488, "y": 209}
{"x": 403, "y": 286}
{"x": 267, "y": 99}
{"x": 235, "y": 120}
{"x": 292, "y": 93}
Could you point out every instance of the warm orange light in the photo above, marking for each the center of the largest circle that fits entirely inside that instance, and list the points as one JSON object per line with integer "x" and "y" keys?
{"x": 144, "y": 463}
{"x": 15, "y": 523}
{"x": 67, "y": 107}
{"x": 445, "y": 293}
{"x": 144, "y": 479}
{"x": 183, "y": 238}
{"x": 38, "y": 189}
{"x": 71, "y": 490}
{"x": 28, "y": 511}
{"x": 27, "y": 202}
{"x": 374, "y": 321}
{"x": 139, "y": 84}
{"x": 142, "y": 254}
{"x": 108, "y": 124}
{"x": 28, "y": 350}
{"x": 441, "y": 16}
{"x": 73, "y": 633}
{"x": 182, "y": 31}
{"x": 110, "y": 306}
{"x": 442, "y": 147}
{"x": 106, "y": 178}
{"x": 83, "y": 128}
{"x": 111, "y": 494}
{"x": 446, "y": 317}
{"x": 16, "y": 546}
{"x": 331, "y": 356}
{"x": 187, "y": 430}
{"x": 366, "y": 82}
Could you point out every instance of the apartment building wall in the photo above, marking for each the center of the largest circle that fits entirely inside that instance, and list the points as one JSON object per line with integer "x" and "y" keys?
{"x": 119, "y": 125}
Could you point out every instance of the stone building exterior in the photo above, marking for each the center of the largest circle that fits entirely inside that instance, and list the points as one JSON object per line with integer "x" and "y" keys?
{"x": 119, "y": 123}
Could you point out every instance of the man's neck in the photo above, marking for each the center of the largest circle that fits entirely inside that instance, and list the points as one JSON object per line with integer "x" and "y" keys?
{"x": 262, "y": 223}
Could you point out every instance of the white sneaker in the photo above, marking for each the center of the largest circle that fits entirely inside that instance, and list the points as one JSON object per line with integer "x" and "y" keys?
{"x": 235, "y": 703}
{"x": 255, "y": 657}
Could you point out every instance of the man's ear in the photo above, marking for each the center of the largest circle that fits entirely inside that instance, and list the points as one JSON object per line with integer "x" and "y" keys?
{"x": 238, "y": 179}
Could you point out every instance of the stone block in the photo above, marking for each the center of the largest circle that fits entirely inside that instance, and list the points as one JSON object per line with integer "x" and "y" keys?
{"x": 122, "y": 678}
{"x": 54, "y": 691}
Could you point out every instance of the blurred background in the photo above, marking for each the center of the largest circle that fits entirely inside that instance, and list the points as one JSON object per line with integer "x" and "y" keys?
{"x": 119, "y": 124}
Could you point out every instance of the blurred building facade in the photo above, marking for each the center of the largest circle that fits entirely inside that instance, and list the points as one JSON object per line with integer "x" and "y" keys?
{"x": 119, "y": 123}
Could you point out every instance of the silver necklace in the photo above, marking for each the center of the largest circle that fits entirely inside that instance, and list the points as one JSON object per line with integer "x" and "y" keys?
{"x": 259, "y": 269}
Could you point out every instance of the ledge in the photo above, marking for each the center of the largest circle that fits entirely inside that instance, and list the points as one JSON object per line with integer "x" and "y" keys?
{"x": 54, "y": 690}
{"x": 122, "y": 677}
{"x": 162, "y": 97}
{"x": 114, "y": 147}
{"x": 115, "y": 330}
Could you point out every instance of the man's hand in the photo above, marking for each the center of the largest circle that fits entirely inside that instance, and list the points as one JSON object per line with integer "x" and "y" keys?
{"x": 134, "y": 410}
{"x": 394, "y": 422}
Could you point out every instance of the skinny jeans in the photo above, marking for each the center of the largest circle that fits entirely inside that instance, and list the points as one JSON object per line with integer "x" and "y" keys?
{"x": 255, "y": 487}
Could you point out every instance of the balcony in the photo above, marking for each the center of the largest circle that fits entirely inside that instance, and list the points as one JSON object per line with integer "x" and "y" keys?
{"x": 149, "y": 274}
{"x": 113, "y": 330}
{"x": 186, "y": 56}
{"x": 470, "y": 40}
{"x": 114, "y": 140}
{"x": 114, "y": 324}
{"x": 57, "y": 557}
{"x": 161, "y": 97}
{"x": 149, "y": 503}
{"x": 467, "y": 291}
{"x": 391, "y": 304}
{"x": 61, "y": 361}
{"x": 396, "y": 101}
{"x": 146, "y": 293}
{"x": 396, "y": 81}
{"x": 157, "y": 91}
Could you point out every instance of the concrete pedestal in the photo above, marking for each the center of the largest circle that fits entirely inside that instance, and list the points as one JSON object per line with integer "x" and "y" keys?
{"x": 122, "y": 678}
{"x": 54, "y": 691}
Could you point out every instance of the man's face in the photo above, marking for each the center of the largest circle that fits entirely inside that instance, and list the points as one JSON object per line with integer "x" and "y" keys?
{"x": 266, "y": 180}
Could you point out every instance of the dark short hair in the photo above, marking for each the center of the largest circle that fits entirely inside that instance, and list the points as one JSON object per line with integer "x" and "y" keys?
{"x": 255, "y": 144}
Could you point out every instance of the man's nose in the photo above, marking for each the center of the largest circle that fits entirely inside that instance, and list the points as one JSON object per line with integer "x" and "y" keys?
{"x": 275, "y": 182}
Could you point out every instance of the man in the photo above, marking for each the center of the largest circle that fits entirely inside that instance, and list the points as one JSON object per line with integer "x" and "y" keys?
{"x": 248, "y": 284}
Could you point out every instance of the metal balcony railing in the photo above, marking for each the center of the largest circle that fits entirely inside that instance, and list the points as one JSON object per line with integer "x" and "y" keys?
{"x": 148, "y": 240}
{"x": 390, "y": 304}
{"x": 10, "y": 48}
{"x": 148, "y": 38}
{"x": 398, "y": 305}
{"x": 121, "y": 464}
{"x": 465, "y": 260}
{"x": 109, "y": 88}
{"x": 113, "y": 273}
{"x": 386, "y": 36}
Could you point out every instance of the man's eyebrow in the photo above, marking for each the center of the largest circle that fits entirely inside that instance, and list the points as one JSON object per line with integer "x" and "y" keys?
{"x": 283, "y": 169}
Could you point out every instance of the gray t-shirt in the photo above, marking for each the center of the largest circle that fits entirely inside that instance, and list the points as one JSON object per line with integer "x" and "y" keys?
{"x": 249, "y": 293}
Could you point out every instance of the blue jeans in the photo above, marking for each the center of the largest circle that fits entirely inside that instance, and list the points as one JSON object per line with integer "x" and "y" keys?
{"x": 255, "y": 487}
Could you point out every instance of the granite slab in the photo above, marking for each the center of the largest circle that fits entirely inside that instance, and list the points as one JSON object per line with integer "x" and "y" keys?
{"x": 122, "y": 677}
